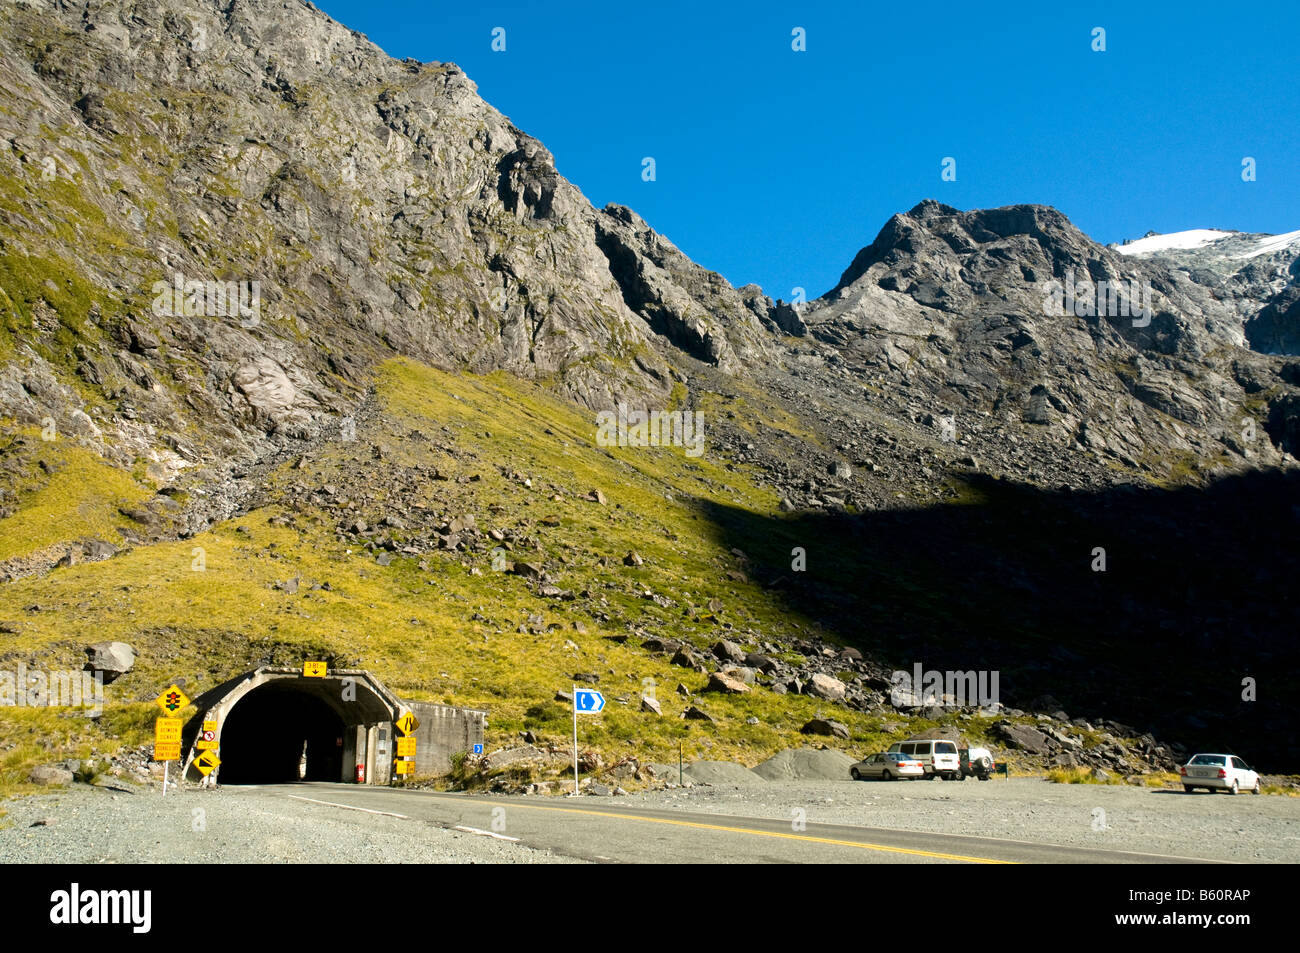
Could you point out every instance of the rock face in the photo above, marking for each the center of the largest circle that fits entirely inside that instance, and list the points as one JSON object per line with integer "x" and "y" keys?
{"x": 380, "y": 205}
{"x": 959, "y": 305}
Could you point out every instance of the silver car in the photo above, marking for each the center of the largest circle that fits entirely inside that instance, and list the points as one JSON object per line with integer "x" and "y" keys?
{"x": 1219, "y": 772}
{"x": 887, "y": 766}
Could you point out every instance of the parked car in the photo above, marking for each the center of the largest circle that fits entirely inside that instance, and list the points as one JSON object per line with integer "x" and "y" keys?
{"x": 975, "y": 763}
{"x": 1219, "y": 772}
{"x": 887, "y": 766}
{"x": 938, "y": 757}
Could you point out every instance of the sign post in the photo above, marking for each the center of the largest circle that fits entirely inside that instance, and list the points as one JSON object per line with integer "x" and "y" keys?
{"x": 404, "y": 747}
{"x": 589, "y": 702}
{"x": 167, "y": 731}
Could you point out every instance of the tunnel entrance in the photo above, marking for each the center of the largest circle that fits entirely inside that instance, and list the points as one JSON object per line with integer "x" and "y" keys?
{"x": 277, "y": 724}
{"x": 279, "y": 733}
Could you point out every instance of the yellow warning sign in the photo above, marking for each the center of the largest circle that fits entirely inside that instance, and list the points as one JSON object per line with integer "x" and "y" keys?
{"x": 172, "y": 700}
{"x": 408, "y": 723}
{"x": 207, "y": 737}
{"x": 314, "y": 669}
{"x": 167, "y": 739}
{"x": 406, "y": 747}
{"x": 207, "y": 762}
{"x": 405, "y": 767}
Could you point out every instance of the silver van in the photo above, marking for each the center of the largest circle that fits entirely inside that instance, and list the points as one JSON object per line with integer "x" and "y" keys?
{"x": 938, "y": 757}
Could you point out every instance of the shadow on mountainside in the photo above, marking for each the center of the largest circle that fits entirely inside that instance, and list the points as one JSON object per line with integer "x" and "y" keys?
{"x": 1199, "y": 592}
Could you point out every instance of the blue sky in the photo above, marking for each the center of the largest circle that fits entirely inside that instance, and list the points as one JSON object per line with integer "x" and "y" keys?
{"x": 775, "y": 166}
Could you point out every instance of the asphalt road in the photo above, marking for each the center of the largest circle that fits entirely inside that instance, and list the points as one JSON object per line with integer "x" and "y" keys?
{"x": 603, "y": 830}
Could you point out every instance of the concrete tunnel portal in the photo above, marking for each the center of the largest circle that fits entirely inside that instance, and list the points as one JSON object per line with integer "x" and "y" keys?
{"x": 275, "y": 725}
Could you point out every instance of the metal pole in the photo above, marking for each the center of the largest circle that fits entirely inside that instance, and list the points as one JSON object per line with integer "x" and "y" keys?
{"x": 166, "y": 769}
{"x": 575, "y": 740}
{"x": 679, "y": 763}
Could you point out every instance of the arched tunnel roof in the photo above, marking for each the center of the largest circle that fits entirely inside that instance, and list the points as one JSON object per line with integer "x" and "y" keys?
{"x": 373, "y": 702}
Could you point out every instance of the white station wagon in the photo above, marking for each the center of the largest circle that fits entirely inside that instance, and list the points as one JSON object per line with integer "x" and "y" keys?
{"x": 1219, "y": 772}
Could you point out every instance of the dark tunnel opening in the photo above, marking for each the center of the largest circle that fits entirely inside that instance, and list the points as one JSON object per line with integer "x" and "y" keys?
{"x": 270, "y": 731}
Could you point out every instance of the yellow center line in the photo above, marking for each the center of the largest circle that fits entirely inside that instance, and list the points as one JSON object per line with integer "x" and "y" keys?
{"x": 749, "y": 830}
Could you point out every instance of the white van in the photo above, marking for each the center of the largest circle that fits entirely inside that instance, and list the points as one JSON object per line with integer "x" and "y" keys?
{"x": 938, "y": 757}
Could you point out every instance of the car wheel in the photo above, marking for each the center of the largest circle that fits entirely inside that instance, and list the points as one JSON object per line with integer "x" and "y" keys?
{"x": 886, "y": 776}
{"x": 1255, "y": 789}
{"x": 1233, "y": 789}
{"x": 853, "y": 773}
{"x": 1189, "y": 789}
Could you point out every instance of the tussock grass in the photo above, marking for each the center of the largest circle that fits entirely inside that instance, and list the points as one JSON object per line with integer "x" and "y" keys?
{"x": 1065, "y": 775}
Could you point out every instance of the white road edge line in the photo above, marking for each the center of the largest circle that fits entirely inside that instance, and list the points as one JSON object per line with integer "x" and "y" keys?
{"x": 347, "y": 807}
{"x": 475, "y": 830}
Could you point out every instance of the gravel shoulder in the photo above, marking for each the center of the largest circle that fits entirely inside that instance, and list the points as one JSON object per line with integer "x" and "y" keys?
{"x": 1245, "y": 828}
{"x": 231, "y": 826}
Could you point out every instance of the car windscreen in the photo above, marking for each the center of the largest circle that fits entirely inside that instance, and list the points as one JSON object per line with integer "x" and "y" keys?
{"x": 945, "y": 747}
{"x": 1207, "y": 759}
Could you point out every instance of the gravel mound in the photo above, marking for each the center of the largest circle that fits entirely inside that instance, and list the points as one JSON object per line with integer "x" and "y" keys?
{"x": 805, "y": 764}
{"x": 721, "y": 772}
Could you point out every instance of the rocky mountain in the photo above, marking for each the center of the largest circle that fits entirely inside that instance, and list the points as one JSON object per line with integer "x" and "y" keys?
{"x": 256, "y": 273}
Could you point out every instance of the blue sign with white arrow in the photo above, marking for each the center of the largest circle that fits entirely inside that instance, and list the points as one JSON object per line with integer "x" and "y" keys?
{"x": 588, "y": 701}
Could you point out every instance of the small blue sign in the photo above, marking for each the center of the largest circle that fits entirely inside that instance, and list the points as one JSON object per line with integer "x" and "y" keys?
{"x": 588, "y": 700}
{"x": 478, "y": 749}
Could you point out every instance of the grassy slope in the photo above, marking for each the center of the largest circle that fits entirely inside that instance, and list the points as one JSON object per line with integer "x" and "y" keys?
{"x": 414, "y": 627}
{"x": 79, "y": 497}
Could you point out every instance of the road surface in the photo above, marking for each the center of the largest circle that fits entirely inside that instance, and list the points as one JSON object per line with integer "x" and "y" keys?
{"x": 603, "y": 830}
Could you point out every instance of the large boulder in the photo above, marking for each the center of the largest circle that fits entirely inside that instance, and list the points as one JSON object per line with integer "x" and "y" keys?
{"x": 826, "y": 727}
{"x": 1023, "y": 737}
{"x": 728, "y": 651}
{"x": 719, "y": 682}
{"x": 50, "y": 775}
{"x": 685, "y": 658}
{"x": 826, "y": 686}
{"x": 111, "y": 659}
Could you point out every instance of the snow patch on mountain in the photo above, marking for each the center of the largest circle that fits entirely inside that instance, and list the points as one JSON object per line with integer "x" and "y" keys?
{"x": 1193, "y": 238}
{"x": 1272, "y": 243}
